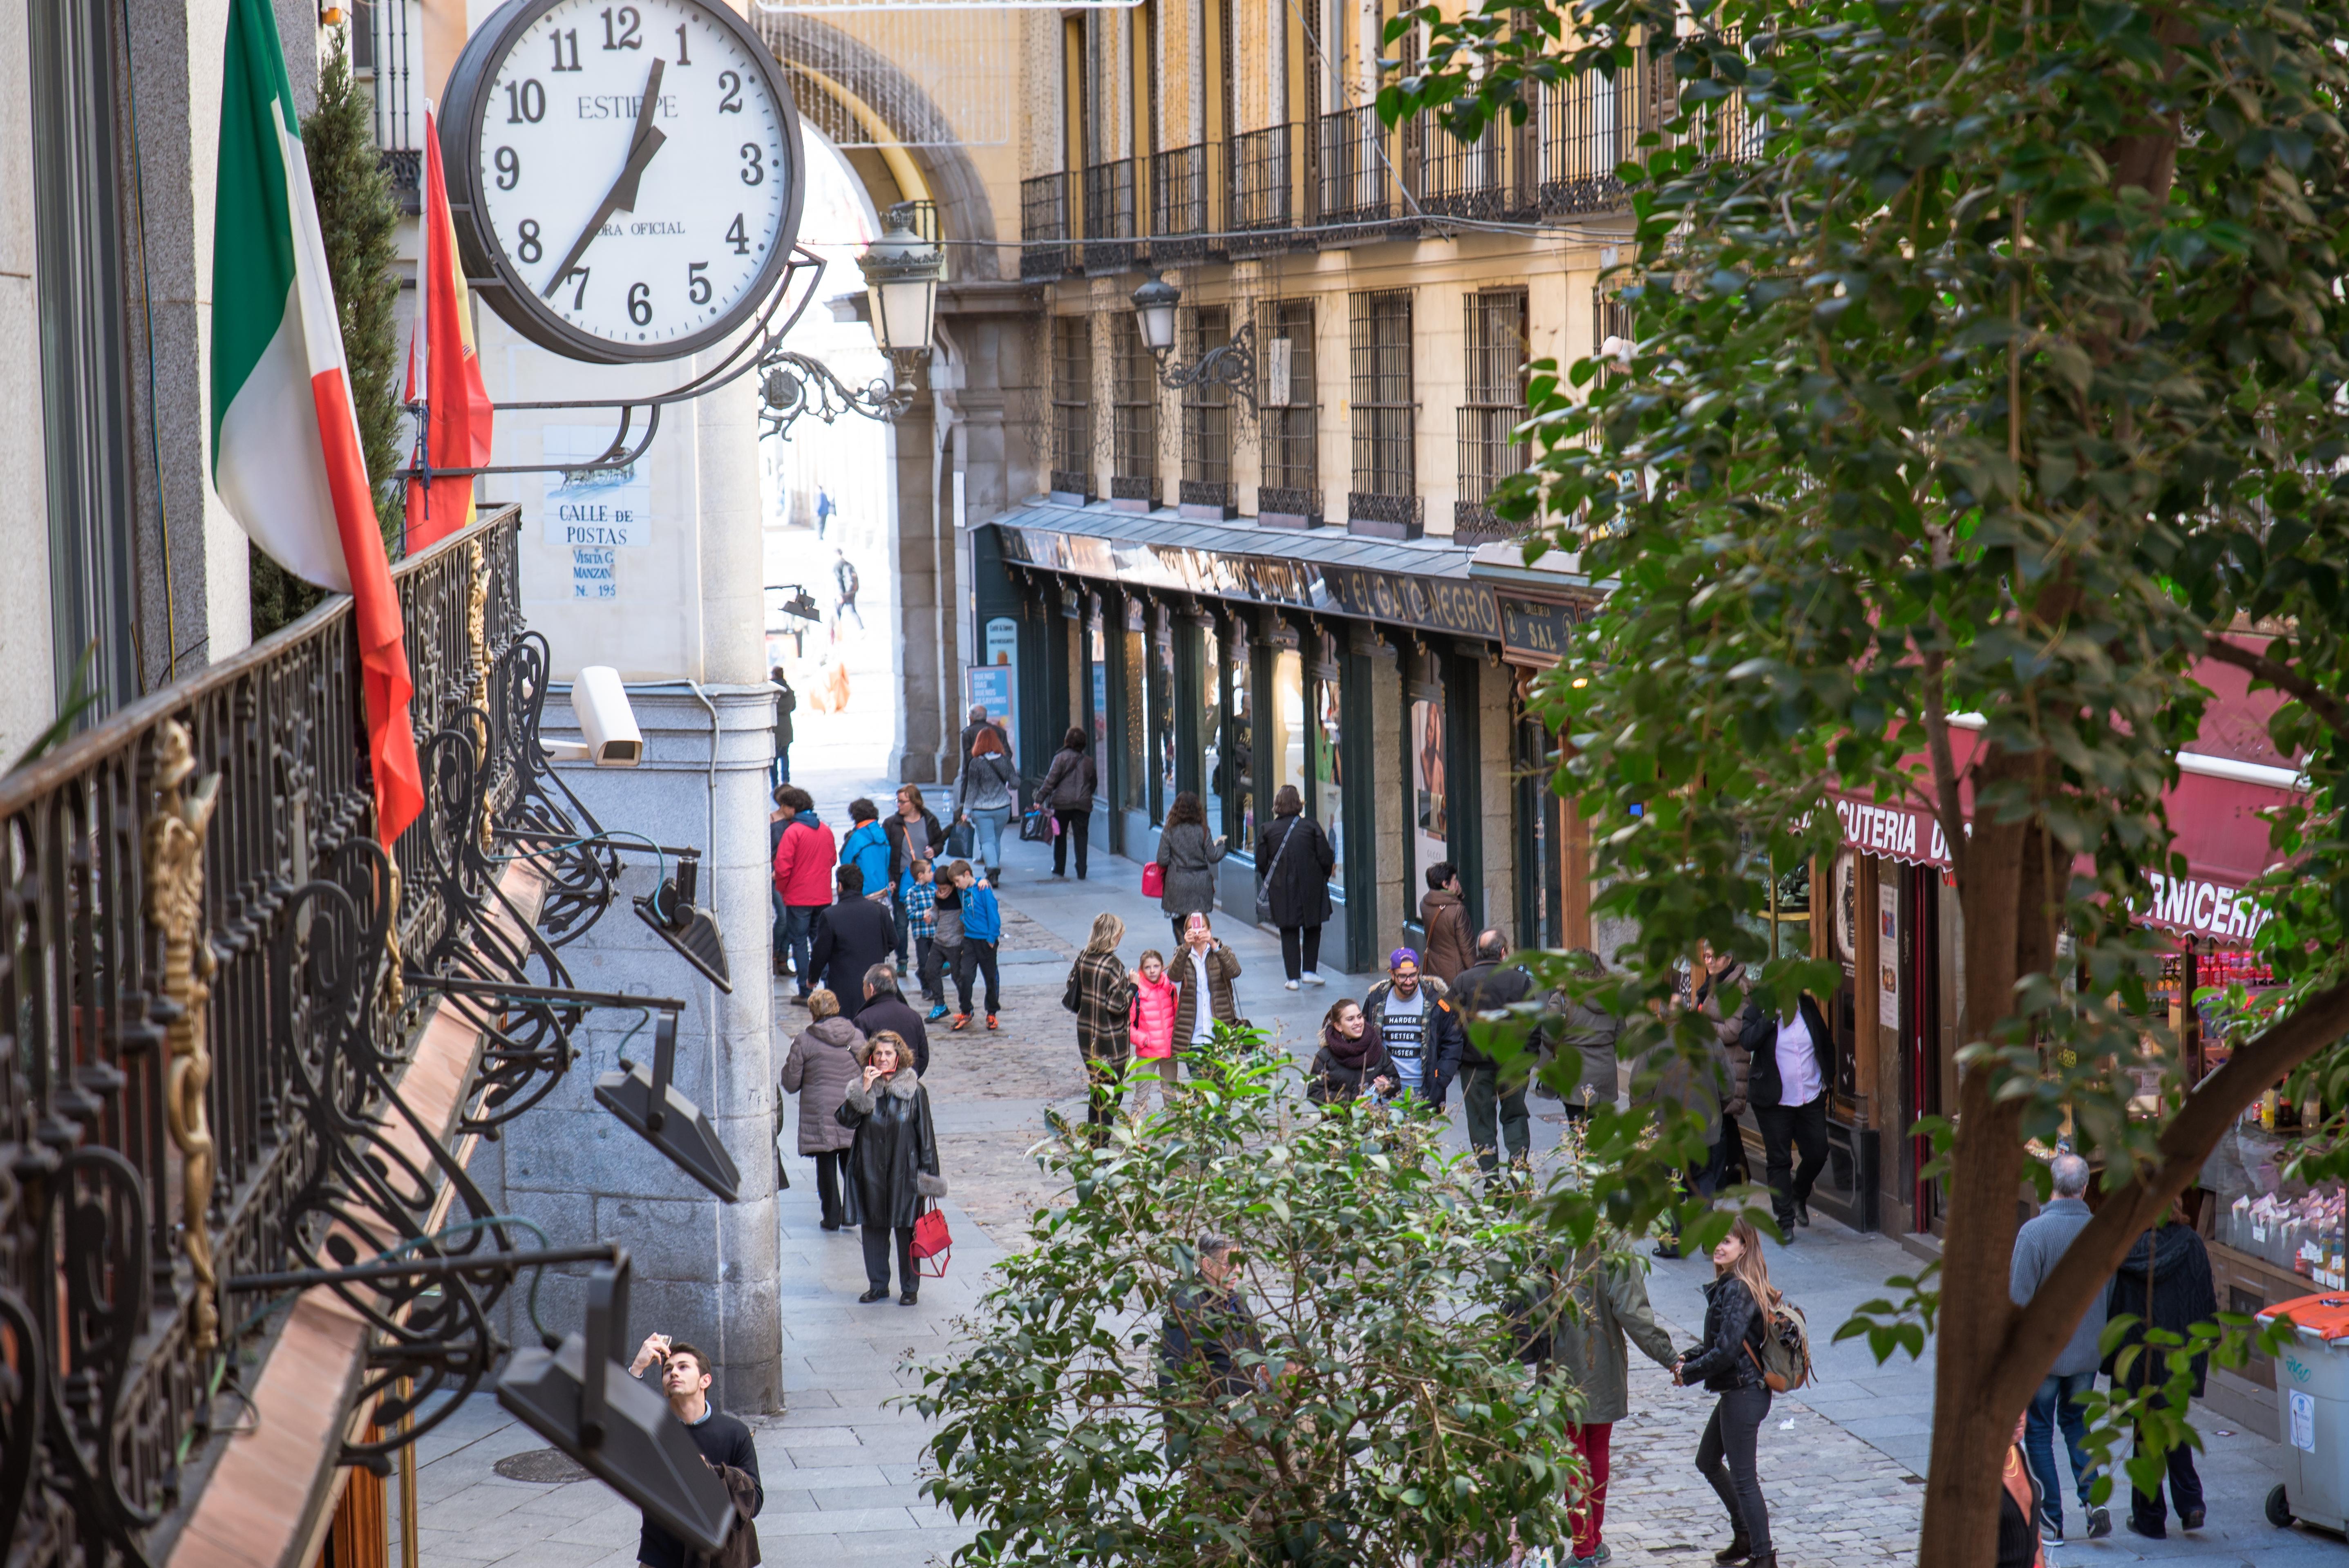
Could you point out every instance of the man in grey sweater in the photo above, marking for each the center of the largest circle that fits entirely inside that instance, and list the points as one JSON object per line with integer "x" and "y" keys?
{"x": 2038, "y": 1247}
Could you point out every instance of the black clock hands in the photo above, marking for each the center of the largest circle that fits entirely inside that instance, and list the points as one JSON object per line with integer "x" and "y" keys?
{"x": 622, "y": 197}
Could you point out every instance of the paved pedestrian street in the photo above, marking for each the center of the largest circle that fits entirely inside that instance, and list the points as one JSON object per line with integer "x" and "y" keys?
{"x": 1841, "y": 1463}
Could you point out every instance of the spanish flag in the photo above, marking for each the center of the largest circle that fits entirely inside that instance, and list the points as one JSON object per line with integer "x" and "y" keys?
{"x": 457, "y": 424}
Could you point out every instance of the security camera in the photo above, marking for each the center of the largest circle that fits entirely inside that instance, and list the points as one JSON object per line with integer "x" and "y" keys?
{"x": 601, "y": 703}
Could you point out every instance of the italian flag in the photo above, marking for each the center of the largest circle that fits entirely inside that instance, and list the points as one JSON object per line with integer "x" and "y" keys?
{"x": 286, "y": 458}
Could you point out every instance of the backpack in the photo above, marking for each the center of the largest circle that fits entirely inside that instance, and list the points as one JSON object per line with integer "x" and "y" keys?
{"x": 1786, "y": 1359}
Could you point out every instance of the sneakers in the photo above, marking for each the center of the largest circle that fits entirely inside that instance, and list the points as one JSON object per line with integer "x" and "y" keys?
{"x": 2051, "y": 1531}
{"x": 961, "y": 1020}
{"x": 990, "y": 1021}
{"x": 937, "y": 1012}
{"x": 2100, "y": 1523}
{"x": 879, "y": 1293}
{"x": 1313, "y": 979}
{"x": 1288, "y": 984}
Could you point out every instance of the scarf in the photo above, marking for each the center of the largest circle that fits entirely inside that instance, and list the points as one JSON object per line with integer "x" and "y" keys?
{"x": 1350, "y": 1054}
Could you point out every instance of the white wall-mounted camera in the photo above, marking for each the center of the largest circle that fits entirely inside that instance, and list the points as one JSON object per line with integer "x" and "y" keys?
{"x": 601, "y": 704}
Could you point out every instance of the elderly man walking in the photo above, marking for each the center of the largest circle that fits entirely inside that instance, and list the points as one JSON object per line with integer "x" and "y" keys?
{"x": 2039, "y": 1246}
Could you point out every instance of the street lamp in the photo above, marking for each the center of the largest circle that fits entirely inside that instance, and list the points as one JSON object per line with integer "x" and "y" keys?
{"x": 1231, "y": 363}
{"x": 901, "y": 295}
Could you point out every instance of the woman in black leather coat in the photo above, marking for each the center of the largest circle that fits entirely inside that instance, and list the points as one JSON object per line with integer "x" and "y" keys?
{"x": 1729, "y": 1363}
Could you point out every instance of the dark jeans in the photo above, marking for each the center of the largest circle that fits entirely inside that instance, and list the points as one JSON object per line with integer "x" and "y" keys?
{"x": 926, "y": 966}
{"x": 877, "y": 1257}
{"x": 897, "y": 919}
{"x": 2054, "y": 1405}
{"x": 1738, "y": 1418}
{"x": 2184, "y": 1487}
{"x": 1481, "y": 1087}
{"x": 1300, "y": 950}
{"x": 1075, "y": 826}
{"x": 781, "y": 770}
{"x": 972, "y": 959}
{"x": 830, "y": 1167}
{"x": 1784, "y": 1129}
{"x": 775, "y": 930}
{"x": 799, "y": 939}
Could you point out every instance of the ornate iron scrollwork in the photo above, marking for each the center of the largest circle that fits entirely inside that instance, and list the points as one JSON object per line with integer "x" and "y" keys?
{"x": 173, "y": 843}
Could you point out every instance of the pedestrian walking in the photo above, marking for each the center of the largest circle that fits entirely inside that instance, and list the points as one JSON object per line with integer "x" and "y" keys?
{"x": 1789, "y": 1087}
{"x": 1101, "y": 994}
{"x": 845, "y": 580}
{"x": 2039, "y": 1246}
{"x": 825, "y": 508}
{"x": 1591, "y": 1032}
{"x": 778, "y": 821}
{"x": 1737, "y": 1033}
{"x": 893, "y": 1163}
{"x": 804, "y": 857}
{"x": 1589, "y": 1346}
{"x": 1296, "y": 859}
{"x": 922, "y": 925}
{"x": 725, "y": 1446}
{"x": 984, "y": 797}
{"x": 1444, "y": 915}
{"x": 1729, "y": 1364}
{"x": 1067, "y": 792}
{"x": 1495, "y": 1096}
{"x": 978, "y": 720}
{"x": 1151, "y": 1018}
{"x": 851, "y": 937}
{"x": 787, "y": 703}
{"x": 982, "y": 928}
{"x": 1677, "y": 1076}
{"x": 2163, "y": 1283}
{"x": 885, "y": 1008}
{"x": 1350, "y": 1060}
{"x": 1204, "y": 972}
{"x": 867, "y": 847}
{"x": 1187, "y": 863}
{"x": 1418, "y": 1027}
{"x": 819, "y": 1068}
{"x": 913, "y": 834}
{"x": 946, "y": 947}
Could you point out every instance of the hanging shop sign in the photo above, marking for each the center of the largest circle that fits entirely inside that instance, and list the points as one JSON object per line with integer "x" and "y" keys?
{"x": 1536, "y": 631}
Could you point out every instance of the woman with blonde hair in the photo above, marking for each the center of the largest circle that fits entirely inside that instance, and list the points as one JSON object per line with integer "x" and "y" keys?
{"x": 1737, "y": 1310}
{"x": 1100, "y": 992}
{"x": 821, "y": 1066}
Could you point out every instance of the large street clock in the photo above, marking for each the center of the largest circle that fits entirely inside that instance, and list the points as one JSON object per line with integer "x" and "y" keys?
{"x": 625, "y": 178}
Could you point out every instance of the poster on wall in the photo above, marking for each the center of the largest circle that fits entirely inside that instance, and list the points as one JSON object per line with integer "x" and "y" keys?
{"x": 990, "y": 687}
{"x": 592, "y": 507}
{"x": 1888, "y": 955}
{"x": 1430, "y": 825}
{"x": 999, "y": 642}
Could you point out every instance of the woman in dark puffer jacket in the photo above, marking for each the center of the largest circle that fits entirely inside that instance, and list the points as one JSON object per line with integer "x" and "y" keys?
{"x": 1729, "y": 1363}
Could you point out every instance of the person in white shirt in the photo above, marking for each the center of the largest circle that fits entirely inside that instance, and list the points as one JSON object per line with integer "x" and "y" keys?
{"x": 1788, "y": 1093}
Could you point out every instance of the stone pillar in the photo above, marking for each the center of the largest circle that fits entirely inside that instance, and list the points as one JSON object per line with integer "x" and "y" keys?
{"x": 919, "y": 557}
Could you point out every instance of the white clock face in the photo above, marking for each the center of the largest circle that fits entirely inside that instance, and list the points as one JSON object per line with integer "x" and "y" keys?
{"x": 636, "y": 170}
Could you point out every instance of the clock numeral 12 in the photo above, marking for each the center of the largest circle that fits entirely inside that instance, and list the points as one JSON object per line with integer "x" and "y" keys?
{"x": 570, "y": 36}
{"x": 737, "y": 238}
{"x": 629, "y": 23}
{"x": 697, "y": 287}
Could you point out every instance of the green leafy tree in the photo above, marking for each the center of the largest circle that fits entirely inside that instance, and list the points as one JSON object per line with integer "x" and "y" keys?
{"x": 359, "y": 217}
{"x": 1989, "y": 378}
{"x": 1385, "y": 1418}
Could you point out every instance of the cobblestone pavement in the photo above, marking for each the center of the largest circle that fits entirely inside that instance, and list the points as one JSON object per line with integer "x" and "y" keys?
{"x": 1840, "y": 1463}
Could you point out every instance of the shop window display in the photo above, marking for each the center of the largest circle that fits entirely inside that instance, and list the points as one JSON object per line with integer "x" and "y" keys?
{"x": 1211, "y": 724}
{"x": 1328, "y": 770}
{"x": 1162, "y": 713}
{"x": 1097, "y": 683}
{"x": 1133, "y": 778}
{"x": 1239, "y": 771}
{"x": 1285, "y": 746}
{"x": 1430, "y": 829}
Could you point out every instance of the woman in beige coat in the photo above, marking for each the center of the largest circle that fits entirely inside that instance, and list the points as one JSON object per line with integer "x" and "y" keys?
{"x": 821, "y": 1067}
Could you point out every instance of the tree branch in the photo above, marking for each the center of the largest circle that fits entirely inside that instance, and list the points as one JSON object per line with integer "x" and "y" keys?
{"x": 2284, "y": 679}
{"x": 2039, "y": 1330}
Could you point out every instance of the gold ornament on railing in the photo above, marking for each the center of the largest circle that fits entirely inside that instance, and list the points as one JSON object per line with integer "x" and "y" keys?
{"x": 477, "y": 634}
{"x": 173, "y": 843}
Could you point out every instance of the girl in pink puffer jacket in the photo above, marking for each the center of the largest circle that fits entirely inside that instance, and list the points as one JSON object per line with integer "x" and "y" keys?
{"x": 1152, "y": 1020}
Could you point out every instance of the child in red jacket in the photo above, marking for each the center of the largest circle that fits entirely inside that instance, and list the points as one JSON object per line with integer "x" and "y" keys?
{"x": 1152, "y": 1018}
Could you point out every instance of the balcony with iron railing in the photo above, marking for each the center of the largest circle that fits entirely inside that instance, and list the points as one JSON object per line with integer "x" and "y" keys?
{"x": 1488, "y": 179}
{"x": 248, "y": 1051}
{"x": 1108, "y": 214}
{"x": 1046, "y": 225}
{"x": 1356, "y": 177}
{"x": 1183, "y": 211}
{"x": 1268, "y": 196}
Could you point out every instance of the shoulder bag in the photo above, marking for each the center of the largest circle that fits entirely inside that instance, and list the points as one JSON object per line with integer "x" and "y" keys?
{"x": 1264, "y": 876}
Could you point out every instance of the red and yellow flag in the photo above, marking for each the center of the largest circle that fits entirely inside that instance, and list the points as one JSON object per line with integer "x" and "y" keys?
{"x": 457, "y": 431}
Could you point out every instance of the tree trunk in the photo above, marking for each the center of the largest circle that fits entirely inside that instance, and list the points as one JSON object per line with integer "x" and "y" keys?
{"x": 2007, "y": 897}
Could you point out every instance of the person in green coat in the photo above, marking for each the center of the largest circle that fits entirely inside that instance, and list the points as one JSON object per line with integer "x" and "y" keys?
{"x": 1588, "y": 1348}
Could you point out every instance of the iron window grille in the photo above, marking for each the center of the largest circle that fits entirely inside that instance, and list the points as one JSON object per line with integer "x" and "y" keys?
{"x": 1206, "y": 416}
{"x": 1381, "y": 408}
{"x": 1493, "y": 405}
{"x": 1133, "y": 414}
{"x": 1610, "y": 317}
{"x": 1288, "y": 414}
{"x": 1108, "y": 213}
{"x": 1073, "y": 405}
{"x": 1044, "y": 227}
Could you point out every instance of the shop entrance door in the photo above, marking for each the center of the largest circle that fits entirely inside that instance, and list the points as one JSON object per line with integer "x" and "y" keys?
{"x": 1921, "y": 1031}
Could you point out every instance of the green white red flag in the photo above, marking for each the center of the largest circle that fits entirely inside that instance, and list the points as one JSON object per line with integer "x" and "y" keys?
{"x": 286, "y": 456}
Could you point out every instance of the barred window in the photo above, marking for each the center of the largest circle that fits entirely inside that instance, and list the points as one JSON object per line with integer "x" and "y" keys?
{"x": 1134, "y": 413}
{"x": 1292, "y": 457}
{"x": 1206, "y": 415}
{"x": 1610, "y": 317}
{"x": 1383, "y": 412}
{"x": 1492, "y": 405}
{"x": 1073, "y": 405}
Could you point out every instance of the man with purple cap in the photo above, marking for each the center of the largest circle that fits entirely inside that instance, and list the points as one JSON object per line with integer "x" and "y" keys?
{"x": 1418, "y": 1026}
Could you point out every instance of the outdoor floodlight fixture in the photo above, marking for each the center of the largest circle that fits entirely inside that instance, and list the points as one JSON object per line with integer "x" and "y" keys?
{"x": 650, "y": 1105}
{"x": 801, "y": 604}
{"x": 580, "y": 1397}
{"x": 693, "y": 932}
{"x": 1231, "y": 363}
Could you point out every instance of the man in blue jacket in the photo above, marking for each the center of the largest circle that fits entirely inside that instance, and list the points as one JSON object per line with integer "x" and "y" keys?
{"x": 867, "y": 848}
{"x": 2039, "y": 1246}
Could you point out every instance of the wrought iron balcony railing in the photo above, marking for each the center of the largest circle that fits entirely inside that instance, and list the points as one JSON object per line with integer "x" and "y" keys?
{"x": 1268, "y": 169}
{"x": 1182, "y": 211}
{"x": 1045, "y": 226}
{"x": 1109, "y": 216}
{"x": 1489, "y": 179}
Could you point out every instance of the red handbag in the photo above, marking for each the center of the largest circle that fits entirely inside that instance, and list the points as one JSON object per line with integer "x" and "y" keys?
{"x": 932, "y": 1242}
{"x": 1154, "y": 880}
